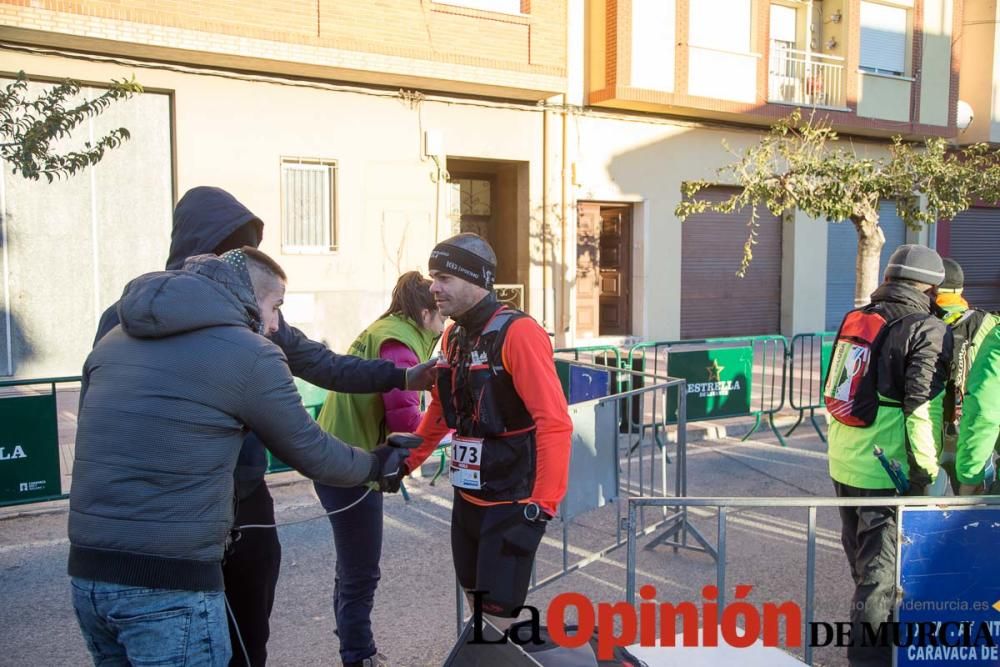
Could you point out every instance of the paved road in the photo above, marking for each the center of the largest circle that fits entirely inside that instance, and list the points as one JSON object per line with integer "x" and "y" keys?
{"x": 415, "y": 608}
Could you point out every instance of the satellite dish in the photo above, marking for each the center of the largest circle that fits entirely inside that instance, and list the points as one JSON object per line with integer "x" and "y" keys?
{"x": 963, "y": 115}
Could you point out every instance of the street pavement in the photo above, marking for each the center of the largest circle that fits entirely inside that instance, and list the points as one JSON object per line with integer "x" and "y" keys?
{"x": 415, "y": 616}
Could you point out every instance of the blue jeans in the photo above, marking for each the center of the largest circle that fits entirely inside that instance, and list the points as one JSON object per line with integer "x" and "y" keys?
{"x": 132, "y": 625}
{"x": 357, "y": 536}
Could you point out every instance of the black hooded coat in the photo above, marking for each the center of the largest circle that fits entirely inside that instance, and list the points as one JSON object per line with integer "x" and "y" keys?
{"x": 203, "y": 218}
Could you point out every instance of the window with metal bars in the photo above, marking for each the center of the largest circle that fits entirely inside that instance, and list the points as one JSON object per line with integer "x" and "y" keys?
{"x": 308, "y": 205}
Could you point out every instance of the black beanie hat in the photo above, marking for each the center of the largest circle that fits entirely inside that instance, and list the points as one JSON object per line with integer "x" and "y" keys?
{"x": 954, "y": 277}
{"x": 449, "y": 257}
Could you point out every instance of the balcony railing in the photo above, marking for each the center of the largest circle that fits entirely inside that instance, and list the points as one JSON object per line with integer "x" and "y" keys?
{"x": 804, "y": 77}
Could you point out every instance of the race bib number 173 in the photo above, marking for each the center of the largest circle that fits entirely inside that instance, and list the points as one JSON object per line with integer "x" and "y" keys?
{"x": 466, "y": 459}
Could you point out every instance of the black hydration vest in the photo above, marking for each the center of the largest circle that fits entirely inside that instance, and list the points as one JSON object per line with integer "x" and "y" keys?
{"x": 479, "y": 401}
{"x": 963, "y": 333}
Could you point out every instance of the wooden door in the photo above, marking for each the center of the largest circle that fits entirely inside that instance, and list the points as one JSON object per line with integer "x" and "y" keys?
{"x": 615, "y": 271}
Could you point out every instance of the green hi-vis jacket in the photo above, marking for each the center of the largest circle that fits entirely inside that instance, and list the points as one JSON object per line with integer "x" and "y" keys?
{"x": 981, "y": 410}
{"x": 359, "y": 419}
{"x": 893, "y": 431}
{"x": 912, "y": 370}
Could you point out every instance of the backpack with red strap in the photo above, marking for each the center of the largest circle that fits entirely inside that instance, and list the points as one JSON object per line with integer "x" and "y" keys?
{"x": 851, "y": 388}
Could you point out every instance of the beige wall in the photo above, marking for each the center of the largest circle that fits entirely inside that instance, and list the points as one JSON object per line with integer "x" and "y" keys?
{"x": 838, "y": 31}
{"x": 69, "y": 247}
{"x": 980, "y": 67}
{"x": 645, "y": 163}
{"x": 392, "y": 42}
{"x": 233, "y": 133}
{"x": 935, "y": 73}
{"x": 803, "y": 274}
{"x": 595, "y": 22}
{"x": 884, "y": 97}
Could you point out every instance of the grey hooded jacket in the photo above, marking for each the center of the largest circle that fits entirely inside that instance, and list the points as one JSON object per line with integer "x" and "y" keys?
{"x": 165, "y": 402}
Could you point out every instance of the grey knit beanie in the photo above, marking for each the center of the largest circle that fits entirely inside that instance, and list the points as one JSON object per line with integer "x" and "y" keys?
{"x": 915, "y": 262}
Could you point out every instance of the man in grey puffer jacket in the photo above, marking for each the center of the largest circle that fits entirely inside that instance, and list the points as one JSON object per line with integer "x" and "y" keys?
{"x": 211, "y": 220}
{"x": 165, "y": 402}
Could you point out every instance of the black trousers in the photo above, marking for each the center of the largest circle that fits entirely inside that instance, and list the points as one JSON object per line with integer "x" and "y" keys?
{"x": 250, "y": 569}
{"x": 493, "y": 549}
{"x": 869, "y": 538}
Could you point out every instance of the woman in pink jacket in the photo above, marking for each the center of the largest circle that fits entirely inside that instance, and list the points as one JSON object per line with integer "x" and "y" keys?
{"x": 406, "y": 335}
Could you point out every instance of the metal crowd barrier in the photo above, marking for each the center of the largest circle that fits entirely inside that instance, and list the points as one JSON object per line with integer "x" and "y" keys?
{"x": 808, "y": 361}
{"x": 592, "y": 354}
{"x": 31, "y": 468}
{"x": 769, "y": 374}
{"x": 634, "y": 530}
{"x": 30, "y": 464}
{"x": 727, "y": 377}
{"x": 610, "y": 461}
{"x": 602, "y": 356}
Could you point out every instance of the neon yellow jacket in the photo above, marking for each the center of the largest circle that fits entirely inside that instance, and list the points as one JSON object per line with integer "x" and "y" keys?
{"x": 981, "y": 411}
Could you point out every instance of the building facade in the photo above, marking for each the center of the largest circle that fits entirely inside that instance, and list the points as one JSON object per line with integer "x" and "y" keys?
{"x": 562, "y": 130}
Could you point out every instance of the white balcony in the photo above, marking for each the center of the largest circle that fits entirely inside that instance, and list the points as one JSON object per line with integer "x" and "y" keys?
{"x": 804, "y": 78}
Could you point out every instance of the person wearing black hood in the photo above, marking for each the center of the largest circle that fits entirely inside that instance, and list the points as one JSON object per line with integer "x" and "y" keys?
{"x": 165, "y": 400}
{"x": 211, "y": 220}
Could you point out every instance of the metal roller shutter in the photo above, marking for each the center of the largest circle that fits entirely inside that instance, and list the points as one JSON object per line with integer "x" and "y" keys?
{"x": 883, "y": 38}
{"x": 975, "y": 244}
{"x": 714, "y": 302}
{"x": 841, "y": 260}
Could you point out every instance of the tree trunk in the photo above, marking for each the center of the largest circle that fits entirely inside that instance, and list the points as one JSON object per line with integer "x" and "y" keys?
{"x": 870, "y": 242}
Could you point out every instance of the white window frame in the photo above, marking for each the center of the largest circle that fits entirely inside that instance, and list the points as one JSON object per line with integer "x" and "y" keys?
{"x": 720, "y": 40}
{"x": 890, "y": 56}
{"x": 288, "y": 246}
{"x": 794, "y": 12}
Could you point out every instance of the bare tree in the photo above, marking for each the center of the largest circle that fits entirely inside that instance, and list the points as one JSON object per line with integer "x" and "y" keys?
{"x": 800, "y": 164}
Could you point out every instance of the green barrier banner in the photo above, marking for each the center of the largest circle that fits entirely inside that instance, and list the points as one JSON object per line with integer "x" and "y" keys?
{"x": 313, "y": 398}
{"x": 718, "y": 382}
{"x": 274, "y": 464}
{"x": 826, "y": 352}
{"x": 29, "y": 449}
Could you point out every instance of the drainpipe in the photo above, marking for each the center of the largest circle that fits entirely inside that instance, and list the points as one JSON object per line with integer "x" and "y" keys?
{"x": 545, "y": 219}
{"x": 4, "y": 244}
{"x": 808, "y": 74}
{"x": 564, "y": 315}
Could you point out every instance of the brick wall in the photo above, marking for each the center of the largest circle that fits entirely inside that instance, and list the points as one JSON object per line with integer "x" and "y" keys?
{"x": 533, "y": 43}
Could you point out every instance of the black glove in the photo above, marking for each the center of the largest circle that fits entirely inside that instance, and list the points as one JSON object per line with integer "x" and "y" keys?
{"x": 391, "y": 484}
{"x": 422, "y": 376}
{"x": 388, "y": 467}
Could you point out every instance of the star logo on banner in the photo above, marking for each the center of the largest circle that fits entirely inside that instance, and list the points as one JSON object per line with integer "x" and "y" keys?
{"x": 715, "y": 371}
{"x": 996, "y": 605}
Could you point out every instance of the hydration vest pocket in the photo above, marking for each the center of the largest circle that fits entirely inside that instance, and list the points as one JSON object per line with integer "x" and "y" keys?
{"x": 508, "y": 471}
{"x": 486, "y": 416}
